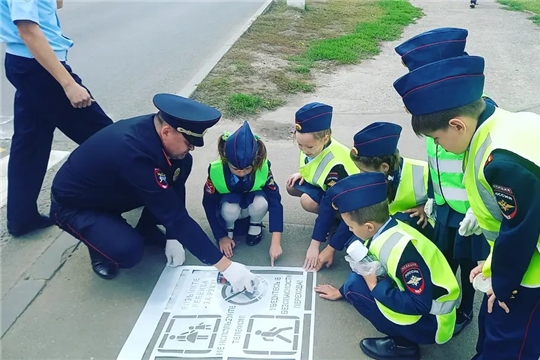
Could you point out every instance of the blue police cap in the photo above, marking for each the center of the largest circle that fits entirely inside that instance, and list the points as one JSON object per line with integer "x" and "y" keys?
{"x": 241, "y": 147}
{"x": 358, "y": 191}
{"x": 431, "y": 46}
{"x": 377, "y": 139}
{"x": 187, "y": 116}
{"x": 442, "y": 85}
{"x": 313, "y": 117}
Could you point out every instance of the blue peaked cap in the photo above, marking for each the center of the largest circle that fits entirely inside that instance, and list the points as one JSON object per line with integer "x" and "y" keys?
{"x": 241, "y": 147}
{"x": 358, "y": 191}
{"x": 187, "y": 116}
{"x": 377, "y": 139}
{"x": 432, "y": 46}
{"x": 313, "y": 117}
{"x": 442, "y": 85}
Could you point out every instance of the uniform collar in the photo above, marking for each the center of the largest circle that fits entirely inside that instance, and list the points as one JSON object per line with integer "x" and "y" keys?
{"x": 488, "y": 111}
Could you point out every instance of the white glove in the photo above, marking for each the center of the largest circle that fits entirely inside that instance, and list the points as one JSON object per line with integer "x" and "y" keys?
{"x": 469, "y": 225}
{"x": 429, "y": 209}
{"x": 175, "y": 253}
{"x": 241, "y": 278}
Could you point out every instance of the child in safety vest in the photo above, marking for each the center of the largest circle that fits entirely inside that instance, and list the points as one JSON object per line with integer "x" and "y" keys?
{"x": 415, "y": 303}
{"x": 240, "y": 185}
{"x": 456, "y": 231}
{"x": 323, "y": 162}
{"x": 375, "y": 150}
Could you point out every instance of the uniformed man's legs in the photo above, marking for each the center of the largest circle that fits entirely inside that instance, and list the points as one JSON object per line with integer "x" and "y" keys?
{"x": 402, "y": 341}
{"x": 514, "y": 335}
{"x": 40, "y": 106}
{"x": 111, "y": 241}
{"x": 28, "y": 159}
{"x": 147, "y": 226}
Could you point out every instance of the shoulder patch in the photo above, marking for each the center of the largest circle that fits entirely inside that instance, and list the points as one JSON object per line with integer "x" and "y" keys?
{"x": 161, "y": 178}
{"x": 489, "y": 159}
{"x": 209, "y": 187}
{"x": 506, "y": 201}
{"x": 271, "y": 183}
{"x": 413, "y": 277}
{"x": 332, "y": 176}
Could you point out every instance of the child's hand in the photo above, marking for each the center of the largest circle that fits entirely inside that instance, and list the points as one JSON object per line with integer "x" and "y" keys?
{"x": 328, "y": 292}
{"x": 293, "y": 178}
{"x": 312, "y": 256}
{"x": 371, "y": 280}
{"x": 420, "y": 212}
{"x": 226, "y": 245}
{"x": 326, "y": 257}
{"x": 477, "y": 270}
{"x": 275, "y": 252}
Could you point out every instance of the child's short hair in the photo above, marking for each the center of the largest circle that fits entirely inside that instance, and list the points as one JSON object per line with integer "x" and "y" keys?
{"x": 378, "y": 213}
{"x": 260, "y": 157}
{"x": 429, "y": 123}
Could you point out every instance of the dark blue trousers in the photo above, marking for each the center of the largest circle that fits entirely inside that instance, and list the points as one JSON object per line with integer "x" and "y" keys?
{"x": 108, "y": 235}
{"x": 358, "y": 294}
{"x": 512, "y": 336}
{"x": 40, "y": 107}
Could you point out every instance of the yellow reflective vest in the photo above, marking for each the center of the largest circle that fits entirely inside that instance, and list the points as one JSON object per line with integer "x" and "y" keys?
{"x": 217, "y": 176}
{"x": 518, "y": 133}
{"x": 388, "y": 247}
{"x": 412, "y": 188}
{"x": 316, "y": 171}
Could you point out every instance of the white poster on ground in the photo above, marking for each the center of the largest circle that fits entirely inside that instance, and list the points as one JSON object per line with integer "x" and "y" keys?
{"x": 190, "y": 316}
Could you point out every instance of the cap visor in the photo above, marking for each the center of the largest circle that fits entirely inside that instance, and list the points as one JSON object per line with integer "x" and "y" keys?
{"x": 195, "y": 141}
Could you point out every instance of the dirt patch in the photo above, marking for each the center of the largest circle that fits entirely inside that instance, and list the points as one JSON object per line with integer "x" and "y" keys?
{"x": 279, "y": 55}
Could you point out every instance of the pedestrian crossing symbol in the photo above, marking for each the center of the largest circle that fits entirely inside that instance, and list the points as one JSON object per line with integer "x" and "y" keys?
{"x": 272, "y": 335}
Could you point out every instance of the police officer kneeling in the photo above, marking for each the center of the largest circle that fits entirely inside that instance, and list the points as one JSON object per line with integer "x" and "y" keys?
{"x": 142, "y": 161}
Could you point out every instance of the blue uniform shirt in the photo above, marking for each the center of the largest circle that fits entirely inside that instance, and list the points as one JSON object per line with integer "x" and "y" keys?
{"x": 520, "y": 228}
{"x": 43, "y": 13}
{"x": 123, "y": 167}
{"x": 417, "y": 298}
{"x": 212, "y": 201}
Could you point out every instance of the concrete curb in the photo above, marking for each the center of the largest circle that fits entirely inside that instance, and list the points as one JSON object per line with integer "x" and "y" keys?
{"x": 29, "y": 285}
{"x": 192, "y": 84}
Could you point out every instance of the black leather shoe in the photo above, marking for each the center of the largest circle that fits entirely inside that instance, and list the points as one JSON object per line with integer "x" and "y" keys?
{"x": 252, "y": 240}
{"x": 462, "y": 320}
{"x": 104, "y": 269}
{"x": 41, "y": 222}
{"x": 388, "y": 348}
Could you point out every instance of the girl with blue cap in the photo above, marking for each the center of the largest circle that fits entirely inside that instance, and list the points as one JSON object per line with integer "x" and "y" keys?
{"x": 323, "y": 162}
{"x": 375, "y": 150}
{"x": 240, "y": 185}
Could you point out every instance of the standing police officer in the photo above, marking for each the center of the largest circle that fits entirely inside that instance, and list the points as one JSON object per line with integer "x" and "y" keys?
{"x": 49, "y": 96}
{"x": 143, "y": 161}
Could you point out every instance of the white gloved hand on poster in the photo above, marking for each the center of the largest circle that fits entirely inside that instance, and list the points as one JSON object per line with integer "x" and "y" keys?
{"x": 469, "y": 225}
{"x": 429, "y": 209}
{"x": 175, "y": 253}
{"x": 240, "y": 277}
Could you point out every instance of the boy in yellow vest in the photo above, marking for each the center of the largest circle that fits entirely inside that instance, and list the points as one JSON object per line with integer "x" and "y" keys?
{"x": 457, "y": 233}
{"x": 502, "y": 179}
{"x": 416, "y": 302}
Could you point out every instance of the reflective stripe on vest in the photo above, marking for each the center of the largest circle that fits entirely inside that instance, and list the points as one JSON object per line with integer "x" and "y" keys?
{"x": 446, "y": 171}
{"x": 217, "y": 176}
{"x": 515, "y": 132}
{"x": 388, "y": 247}
{"x": 316, "y": 171}
{"x": 412, "y": 188}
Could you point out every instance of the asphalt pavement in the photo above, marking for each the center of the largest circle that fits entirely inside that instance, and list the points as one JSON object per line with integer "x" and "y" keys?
{"x": 76, "y": 315}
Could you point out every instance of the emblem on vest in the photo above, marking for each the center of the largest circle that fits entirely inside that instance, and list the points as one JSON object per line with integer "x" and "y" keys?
{"x": 506, "y": 201}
